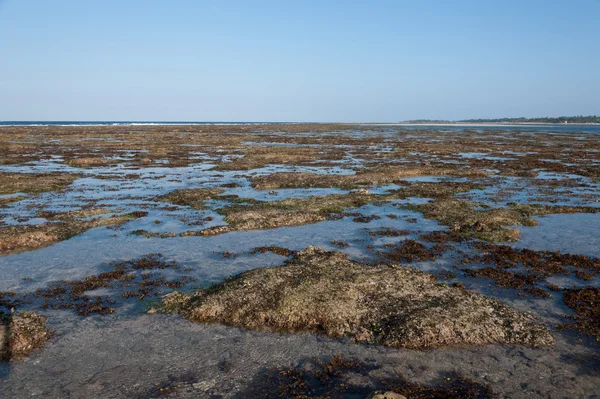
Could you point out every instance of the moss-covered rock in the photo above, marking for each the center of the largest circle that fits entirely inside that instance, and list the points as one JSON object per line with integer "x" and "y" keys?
{"x": 327, "y": 293}
{"x": 21, "y": 334}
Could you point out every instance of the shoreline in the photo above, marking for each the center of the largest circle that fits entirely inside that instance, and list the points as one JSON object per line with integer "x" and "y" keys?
{"x": 482, "y": 124}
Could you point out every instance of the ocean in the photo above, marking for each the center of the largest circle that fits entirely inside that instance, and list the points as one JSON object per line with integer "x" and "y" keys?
{"x": 586, "y": 128}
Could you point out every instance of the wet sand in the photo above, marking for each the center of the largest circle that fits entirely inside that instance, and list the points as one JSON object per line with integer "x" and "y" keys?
{"x": 129, "y": 358}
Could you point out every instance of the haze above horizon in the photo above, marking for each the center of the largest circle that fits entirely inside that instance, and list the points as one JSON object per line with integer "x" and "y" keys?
{"x": 379, "y": 61}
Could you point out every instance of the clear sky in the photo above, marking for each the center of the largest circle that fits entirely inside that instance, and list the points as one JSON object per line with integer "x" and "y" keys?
{"x": 303, "y": 60}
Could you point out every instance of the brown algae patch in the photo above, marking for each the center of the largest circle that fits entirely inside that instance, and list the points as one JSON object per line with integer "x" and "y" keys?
{"x": 19, "y": 238}
{"x": 21, "y": 334}
{"x": 585, "y": 302}
{"x": 534, "y": 267}
{"x": 340, "y": 377}
{"x": 136, "y": 278}
{"x": 327, "y": 293}
{"x": 339, "y": 244}
{"x": 388, "y": 232}
{"x": 411, "y": 251}
{"x": 11, "y": 183}
{"x": 548, "y": 262}
{"x": 194, "y": 198}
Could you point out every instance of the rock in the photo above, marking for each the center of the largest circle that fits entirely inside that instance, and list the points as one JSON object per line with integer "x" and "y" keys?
{"x": 174, "y": 300}
{"x": 387, "y": 304}
{"x": 386, "y": 395}
{"x": 21, "y": 334}
{"x": 4, "y": 352}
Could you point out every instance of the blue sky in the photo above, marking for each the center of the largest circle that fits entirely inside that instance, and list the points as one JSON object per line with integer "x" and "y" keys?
{"x": 347, "y": 61}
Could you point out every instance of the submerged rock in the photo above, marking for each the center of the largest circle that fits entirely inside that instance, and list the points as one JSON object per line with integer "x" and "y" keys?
{"x": 19, "y": 238}
{"x": 21, "y": 334}
{"x": 387, "y": 304}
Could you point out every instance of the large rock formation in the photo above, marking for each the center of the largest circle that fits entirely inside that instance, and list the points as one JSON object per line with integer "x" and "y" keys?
{"x": 327, "y": 293}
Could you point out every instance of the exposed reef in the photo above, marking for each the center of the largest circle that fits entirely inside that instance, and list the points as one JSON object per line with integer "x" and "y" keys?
{"x": 327, "y": 293}
{"x": 21, "y": 334}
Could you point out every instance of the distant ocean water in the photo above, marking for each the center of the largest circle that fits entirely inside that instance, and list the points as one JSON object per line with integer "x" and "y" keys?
{"x": 457, "y": 127}
{"x": 122, "y": 123}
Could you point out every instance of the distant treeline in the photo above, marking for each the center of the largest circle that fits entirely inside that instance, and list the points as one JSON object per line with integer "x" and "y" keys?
{"x": 560, "y": 119}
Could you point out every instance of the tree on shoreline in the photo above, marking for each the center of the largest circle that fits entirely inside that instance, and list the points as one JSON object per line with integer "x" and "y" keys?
{"x": 560, "y": 119}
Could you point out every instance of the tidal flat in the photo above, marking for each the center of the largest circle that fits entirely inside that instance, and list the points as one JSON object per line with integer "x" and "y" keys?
{"x": 299, "y": 260}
